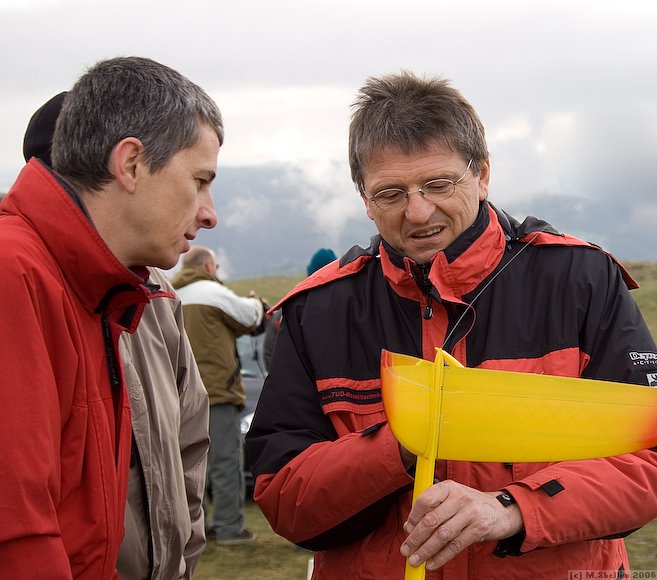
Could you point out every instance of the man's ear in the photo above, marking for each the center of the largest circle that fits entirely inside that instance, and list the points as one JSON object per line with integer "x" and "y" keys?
{"x": 125, "y": 161}
{"x": 484, "y": 180}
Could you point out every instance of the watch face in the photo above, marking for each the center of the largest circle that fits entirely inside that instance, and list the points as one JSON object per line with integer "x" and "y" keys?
{"x": 505, "y": 499}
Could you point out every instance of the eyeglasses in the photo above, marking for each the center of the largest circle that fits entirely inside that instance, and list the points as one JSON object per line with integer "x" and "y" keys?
{"x": 435, "y": 191}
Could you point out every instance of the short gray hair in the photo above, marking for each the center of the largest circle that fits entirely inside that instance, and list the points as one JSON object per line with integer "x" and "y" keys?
{"x": 411, "y": 113}
{"x": 128, "y": 97}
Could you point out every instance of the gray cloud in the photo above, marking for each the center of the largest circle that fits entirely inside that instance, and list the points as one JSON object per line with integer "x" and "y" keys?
{"x": 566, "y": 90}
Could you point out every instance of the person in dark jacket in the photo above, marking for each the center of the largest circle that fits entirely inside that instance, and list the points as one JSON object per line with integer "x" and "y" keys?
{"x": 450, "y": 270}
{"x": 318, "y": 260}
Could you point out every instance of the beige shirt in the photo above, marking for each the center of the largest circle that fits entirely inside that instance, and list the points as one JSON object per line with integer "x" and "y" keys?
{"x": 170, "y": 427}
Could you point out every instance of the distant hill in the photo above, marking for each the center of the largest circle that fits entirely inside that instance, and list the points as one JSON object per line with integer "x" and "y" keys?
{"x": 272, "y": 218}
{"x": 642, "y": 272}
{"x": 273, "y": 288}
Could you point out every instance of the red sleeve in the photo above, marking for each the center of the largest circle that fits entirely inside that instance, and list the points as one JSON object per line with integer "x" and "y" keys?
{"x": 30, "y": 428}
{"x": 590, "y": 499}
{"x": 344, "y": 477}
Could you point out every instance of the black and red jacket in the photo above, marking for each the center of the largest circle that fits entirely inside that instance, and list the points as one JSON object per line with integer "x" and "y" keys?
{"x": 503, "y": 295}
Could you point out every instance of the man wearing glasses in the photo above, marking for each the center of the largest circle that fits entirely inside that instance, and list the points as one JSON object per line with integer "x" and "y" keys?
{"x": 448, "y": 270}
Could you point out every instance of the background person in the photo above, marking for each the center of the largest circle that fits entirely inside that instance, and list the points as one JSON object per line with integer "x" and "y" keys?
{"x": 447, "y": 270}
{"x": 164, "y": 521}
{"x": 134, "y": 152}
{"x": 214, "y": 317}
{"x": 318, "y": 260}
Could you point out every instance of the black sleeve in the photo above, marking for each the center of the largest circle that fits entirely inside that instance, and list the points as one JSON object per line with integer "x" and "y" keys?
{"x": 614, "y": 330}
{"x": 280, "y": 431}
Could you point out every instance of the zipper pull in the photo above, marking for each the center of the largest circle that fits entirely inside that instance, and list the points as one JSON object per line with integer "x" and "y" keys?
{"x": 428, "y": 309}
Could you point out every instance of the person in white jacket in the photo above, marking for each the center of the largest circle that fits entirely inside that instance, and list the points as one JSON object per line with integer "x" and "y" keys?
{"x": 214, "y": 317}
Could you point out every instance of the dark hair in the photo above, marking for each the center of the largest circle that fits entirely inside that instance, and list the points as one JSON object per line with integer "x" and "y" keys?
{"x": 38, "y": 135}
{"x": 128, "y": 97}
{"x": 410, "y": 113}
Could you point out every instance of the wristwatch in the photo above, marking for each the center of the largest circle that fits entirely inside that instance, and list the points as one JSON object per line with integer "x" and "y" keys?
{"x": 509, "y": 546}
{"x": 505, "y": 498}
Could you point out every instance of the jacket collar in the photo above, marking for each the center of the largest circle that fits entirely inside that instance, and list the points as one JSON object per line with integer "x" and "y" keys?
{"x": 95, "y": 275}
{"x": 453, "y": 272}
{"x": 459, "y": 268}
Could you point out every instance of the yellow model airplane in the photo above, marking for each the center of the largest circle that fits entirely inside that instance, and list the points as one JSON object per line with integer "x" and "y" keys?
{"x": 443, "y": 410}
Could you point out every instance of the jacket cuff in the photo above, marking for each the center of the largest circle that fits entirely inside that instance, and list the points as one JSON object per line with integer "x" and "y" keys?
{"x": 510, "y": 546}
{"x": 391, "y": 446}
{"x": 532, "y": 533}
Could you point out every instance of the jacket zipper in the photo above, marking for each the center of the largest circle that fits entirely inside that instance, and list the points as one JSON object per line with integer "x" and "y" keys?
{"x": 110, "y": 352}
{"x": 428, "y": 309}
{"x": 115, "y": 380}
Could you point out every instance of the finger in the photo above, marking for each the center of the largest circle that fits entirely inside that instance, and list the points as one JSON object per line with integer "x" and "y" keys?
{"x": 450, "y": 551}
{"x": 427, "y": 501}
{"x": 435, "y": 529}
{"x": 452, "y": 548}
{"x": 420, "y": 533}
{"x": 446, "y": 531}
{"x": 445, "y": 541}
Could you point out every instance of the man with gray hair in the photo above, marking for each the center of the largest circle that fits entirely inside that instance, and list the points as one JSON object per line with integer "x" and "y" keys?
{"x": 164, "y": 533}
{"x": 134, "y": 153}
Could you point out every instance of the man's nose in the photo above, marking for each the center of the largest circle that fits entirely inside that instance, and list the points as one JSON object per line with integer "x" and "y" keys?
{"x": 418, "y": 208}
{"x": 207, "y": 216}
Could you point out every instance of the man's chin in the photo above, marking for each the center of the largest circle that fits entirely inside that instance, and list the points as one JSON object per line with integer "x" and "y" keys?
{"x": 166, "y": 262}
{"x": 169, "y": 265}
{"x": 172, "y": 260}
{"x": 423, "y": 257}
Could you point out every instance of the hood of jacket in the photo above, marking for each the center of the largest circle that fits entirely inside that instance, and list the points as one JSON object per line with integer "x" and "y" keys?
{"x": 72, "y": 239}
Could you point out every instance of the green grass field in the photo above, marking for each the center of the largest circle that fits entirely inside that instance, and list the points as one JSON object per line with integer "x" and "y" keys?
{"x": 273, "y": 558}
{"x": 270, "y": 557}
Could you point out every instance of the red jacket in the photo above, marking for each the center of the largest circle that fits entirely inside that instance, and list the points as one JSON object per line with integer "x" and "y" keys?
{"x": 328, "y": 470}
{"x": 64, "y": 412}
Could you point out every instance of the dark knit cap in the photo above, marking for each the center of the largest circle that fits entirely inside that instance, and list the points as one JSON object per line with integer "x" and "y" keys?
{"x": 40, "y": 129}
{"x": 320, "y": 258}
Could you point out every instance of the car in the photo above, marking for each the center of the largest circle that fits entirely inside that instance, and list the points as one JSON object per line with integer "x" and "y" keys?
{"x": 250, "y": 352}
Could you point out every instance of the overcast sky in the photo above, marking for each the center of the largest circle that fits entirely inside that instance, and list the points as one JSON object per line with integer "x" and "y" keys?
{"x": 567, "y": 89}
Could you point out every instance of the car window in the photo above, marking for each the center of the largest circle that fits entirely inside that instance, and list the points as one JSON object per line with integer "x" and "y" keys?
{"x": 249, "y": 349}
